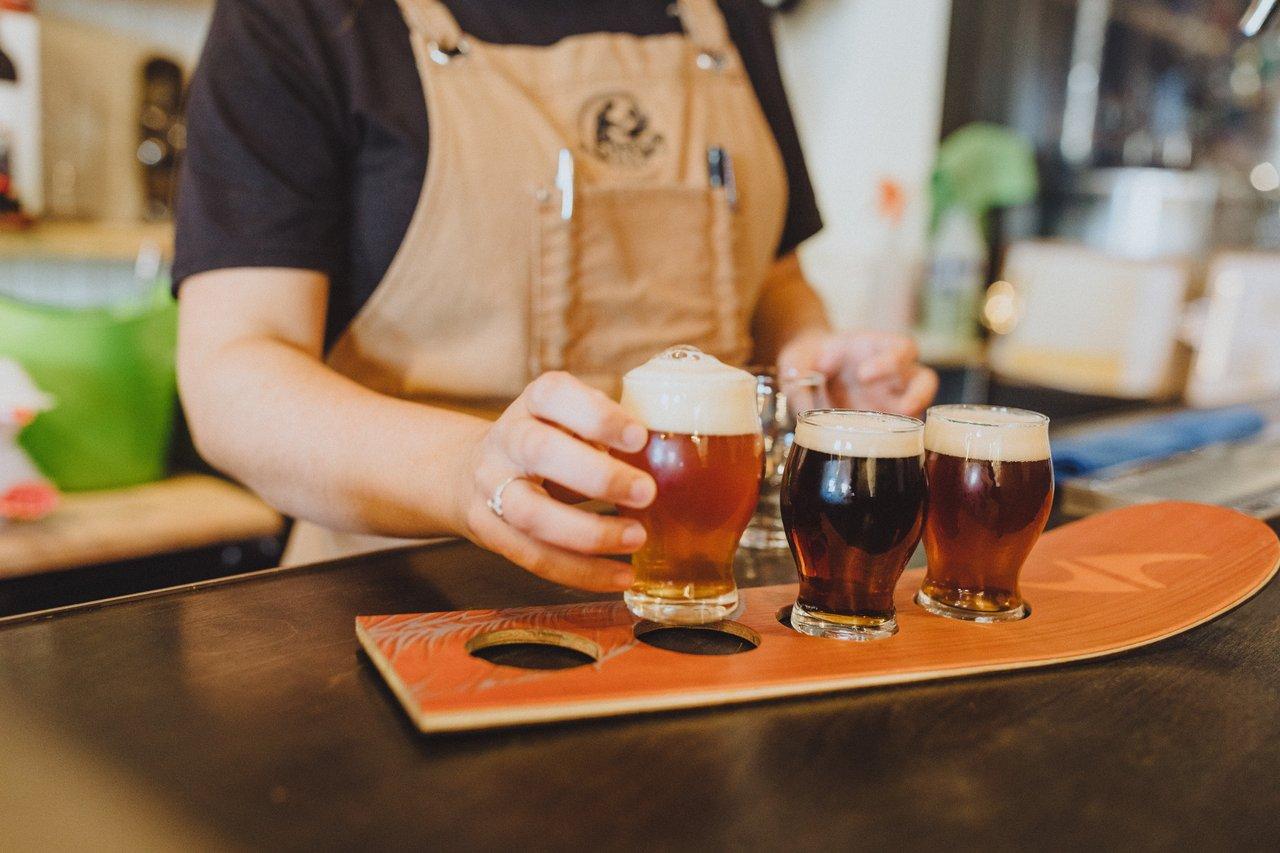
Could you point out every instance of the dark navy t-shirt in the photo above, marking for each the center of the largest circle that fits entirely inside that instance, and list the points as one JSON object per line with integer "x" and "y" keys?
{"x": 307, "y": 128}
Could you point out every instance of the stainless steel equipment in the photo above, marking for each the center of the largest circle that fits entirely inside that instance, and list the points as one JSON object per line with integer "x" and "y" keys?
{"x": 1256, "y": 17}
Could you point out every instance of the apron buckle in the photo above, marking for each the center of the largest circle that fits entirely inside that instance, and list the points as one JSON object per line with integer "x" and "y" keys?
{"x": 711, "y": 60}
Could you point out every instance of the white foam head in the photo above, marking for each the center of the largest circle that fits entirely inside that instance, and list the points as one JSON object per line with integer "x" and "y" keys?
{"x": 685, "y": 390}
{"x": 871, "y": 435}
{"x": 987, "y": 432}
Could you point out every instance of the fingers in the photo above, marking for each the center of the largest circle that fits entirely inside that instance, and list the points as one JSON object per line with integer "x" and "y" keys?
{"x": 548, "y": 561}
{"x": 541, "y": 450}
{"x": 909, "y": 399}
{"x": 528, "y": 508}
{"x": 893, "y": 357}
{"x": 920, "y": 391}
{"x": 561, "y": 399}
{"x": 565, "y": 496}
{"x": 801, "y": 355}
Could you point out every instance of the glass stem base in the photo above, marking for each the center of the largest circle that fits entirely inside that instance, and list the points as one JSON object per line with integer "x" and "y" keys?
{"x": 855, "y": 628}
{"x": 681, "y": 611}
{"x": 938, "y": 608}
{"x": 763, "y": 534}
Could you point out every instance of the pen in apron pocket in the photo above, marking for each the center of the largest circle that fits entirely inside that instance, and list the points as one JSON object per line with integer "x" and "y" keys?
{"x": 720, "y": 171}
{"x": 564, "y": 183}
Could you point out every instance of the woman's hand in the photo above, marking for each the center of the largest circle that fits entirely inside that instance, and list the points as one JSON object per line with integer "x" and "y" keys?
{"x": 553, "y": 435}
{"x": 865, "y": 370}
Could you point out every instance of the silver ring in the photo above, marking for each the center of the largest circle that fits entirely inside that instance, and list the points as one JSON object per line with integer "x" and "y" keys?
{"x": 495, "y": 503}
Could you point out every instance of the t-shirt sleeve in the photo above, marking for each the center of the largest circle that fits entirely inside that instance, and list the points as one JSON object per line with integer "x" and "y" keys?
{"x": 750, "y": 26}
{"x": 262, "y": 182}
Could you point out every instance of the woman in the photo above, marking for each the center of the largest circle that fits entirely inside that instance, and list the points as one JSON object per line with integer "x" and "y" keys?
{"x": 363, "y": 269}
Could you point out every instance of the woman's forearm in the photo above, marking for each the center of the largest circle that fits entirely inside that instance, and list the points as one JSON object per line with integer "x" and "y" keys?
{"x": 788, "y": 307}
{"x": 318, "y": 446}
{"x": 263, "y": 407}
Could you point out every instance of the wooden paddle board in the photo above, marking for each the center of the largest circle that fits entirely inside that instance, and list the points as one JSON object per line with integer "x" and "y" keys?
{"x": 1104, "y": 585}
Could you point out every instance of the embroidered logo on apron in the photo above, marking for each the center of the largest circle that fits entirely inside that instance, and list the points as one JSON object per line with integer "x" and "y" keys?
{"x": 616, "y": 130}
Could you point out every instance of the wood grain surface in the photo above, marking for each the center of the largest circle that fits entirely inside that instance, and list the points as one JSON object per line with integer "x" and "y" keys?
{"x": 187, "y": 511}
{"x": 1113, "y": 582}
{"x": 244, "y": 712}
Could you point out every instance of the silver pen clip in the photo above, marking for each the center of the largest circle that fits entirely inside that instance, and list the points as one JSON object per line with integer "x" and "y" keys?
{"x": 564, "y": 183}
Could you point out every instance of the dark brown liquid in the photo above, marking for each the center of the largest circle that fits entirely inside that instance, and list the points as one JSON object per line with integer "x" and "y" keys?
{"x": 707, "y": 490}
{"x": 852, "y": 524}
{"x": 983, "y": 519}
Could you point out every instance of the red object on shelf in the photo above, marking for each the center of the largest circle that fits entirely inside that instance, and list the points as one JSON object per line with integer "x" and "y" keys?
{"x": 28, "y": 501}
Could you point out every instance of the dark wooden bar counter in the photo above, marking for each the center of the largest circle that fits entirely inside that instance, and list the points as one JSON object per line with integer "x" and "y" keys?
{"x": 241, "y": 714}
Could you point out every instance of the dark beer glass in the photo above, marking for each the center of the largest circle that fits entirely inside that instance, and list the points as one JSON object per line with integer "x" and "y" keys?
{"x": 990, "y": 489}
{"x": 705, "y": 452}
{"x": 852, "y": 501}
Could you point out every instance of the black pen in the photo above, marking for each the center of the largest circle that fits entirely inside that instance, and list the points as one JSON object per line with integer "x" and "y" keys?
{"x": 720, "y": 173}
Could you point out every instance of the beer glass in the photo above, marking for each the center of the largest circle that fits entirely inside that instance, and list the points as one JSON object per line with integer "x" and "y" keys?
{"x": 780, "y": 396}
{"x": 705, "y": 453}
{"x": 990, "y": 490}
{"x": 852, "y": 500}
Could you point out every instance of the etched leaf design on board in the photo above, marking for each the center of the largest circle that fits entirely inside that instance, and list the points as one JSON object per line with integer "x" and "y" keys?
{"x": 1109, "y": 573}
{"x": 409, "y": 640}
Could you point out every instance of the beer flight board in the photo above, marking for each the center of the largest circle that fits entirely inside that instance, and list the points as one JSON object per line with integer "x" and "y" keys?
{"x": 1101, "y": 586}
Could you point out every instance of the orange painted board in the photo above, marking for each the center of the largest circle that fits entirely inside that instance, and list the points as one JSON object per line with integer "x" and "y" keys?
{"x": 1100, "y": 586}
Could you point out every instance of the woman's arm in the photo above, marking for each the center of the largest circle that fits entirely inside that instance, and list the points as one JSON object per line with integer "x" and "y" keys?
{"x": 788, "y": 308}
{"x": 263, "y": 407}
{"x": 864, "y": 369}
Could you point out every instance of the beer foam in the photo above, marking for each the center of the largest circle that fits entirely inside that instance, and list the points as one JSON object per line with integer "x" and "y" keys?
{"x": 870, "y": 435}
{"x": 685, "y": 390}
{"x": 985, "y": 432}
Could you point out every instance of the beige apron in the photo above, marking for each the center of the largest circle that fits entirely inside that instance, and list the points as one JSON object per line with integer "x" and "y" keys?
{"x": 576, "y": 215}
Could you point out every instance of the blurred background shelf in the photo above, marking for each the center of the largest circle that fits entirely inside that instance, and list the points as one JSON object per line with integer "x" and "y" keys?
{"x": 182, "y": 512}
{"x": 184, "y": 529}
{"x": 88, "y": 241}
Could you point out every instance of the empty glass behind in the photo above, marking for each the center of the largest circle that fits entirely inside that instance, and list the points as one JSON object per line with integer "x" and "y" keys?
{"x": 780, "y": 396}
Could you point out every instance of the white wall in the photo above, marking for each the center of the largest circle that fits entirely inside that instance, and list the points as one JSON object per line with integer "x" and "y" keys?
{"x": 865, "y": 80}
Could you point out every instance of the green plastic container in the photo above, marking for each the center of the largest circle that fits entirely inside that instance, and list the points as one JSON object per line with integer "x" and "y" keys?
{"x": 111, "y": 374}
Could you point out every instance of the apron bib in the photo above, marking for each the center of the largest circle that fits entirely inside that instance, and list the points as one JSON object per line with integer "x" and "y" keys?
{"x": 586, "y": 205}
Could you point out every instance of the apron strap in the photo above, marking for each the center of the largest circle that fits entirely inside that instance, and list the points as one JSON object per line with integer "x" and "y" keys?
{"x": 433, "y": 21}
{"x": 705, "y": 26}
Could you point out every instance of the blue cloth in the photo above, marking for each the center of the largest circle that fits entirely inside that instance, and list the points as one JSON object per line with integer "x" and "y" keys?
{"x": 1154, "y": 439}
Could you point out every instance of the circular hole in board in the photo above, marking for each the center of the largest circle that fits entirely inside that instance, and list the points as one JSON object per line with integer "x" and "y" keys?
{"x": 714, "y": 638}
{"x": 533, "y": 648}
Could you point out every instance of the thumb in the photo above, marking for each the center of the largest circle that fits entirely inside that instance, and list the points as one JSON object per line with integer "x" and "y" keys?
{"x": 799, "y": 356}
{"x": 833, "y": 356}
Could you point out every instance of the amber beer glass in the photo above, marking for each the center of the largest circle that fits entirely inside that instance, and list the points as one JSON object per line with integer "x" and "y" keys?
{"x": 852, "y": 500}
{"x": 990, "y": 489}
{"x": 706, "y": 454}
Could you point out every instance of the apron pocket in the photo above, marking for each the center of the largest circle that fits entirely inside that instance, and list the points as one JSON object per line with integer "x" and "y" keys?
{"x": 634, "y": 271}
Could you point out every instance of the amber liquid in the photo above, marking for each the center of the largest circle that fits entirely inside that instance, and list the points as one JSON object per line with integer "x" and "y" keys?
{"x": 852, "y": 524}
{"x": 982, "y": 521}
{"x": 707, "y": 491}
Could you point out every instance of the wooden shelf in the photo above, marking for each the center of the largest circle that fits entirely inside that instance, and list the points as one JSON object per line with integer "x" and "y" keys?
{"x": 183, "y": 512}
{"x": 94, "y": 241}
